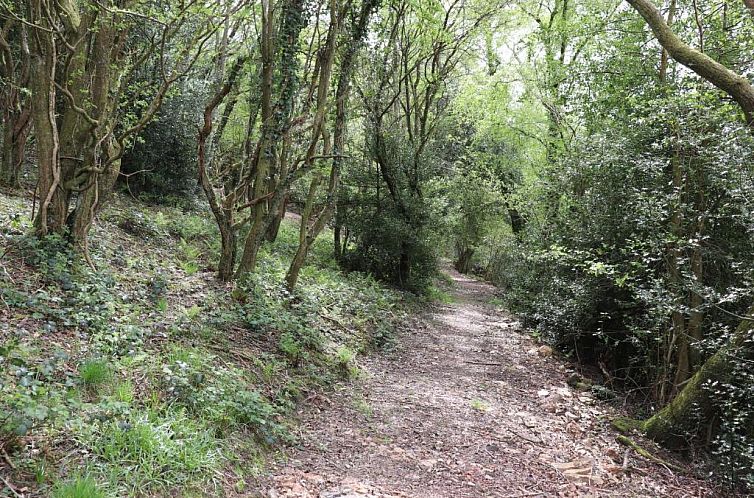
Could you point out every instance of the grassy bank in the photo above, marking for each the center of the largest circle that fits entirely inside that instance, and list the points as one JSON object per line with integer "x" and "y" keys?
{"x": 146, "y": 376}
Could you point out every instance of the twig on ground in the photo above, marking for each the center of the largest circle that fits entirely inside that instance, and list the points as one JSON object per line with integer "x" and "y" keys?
{"x": 525, "y": 437}
{"x": 625, "y": 459}
{"x": 488, "y": 364}
{"x": 8, "y": 460}
{"x": 338, "y": 323}
{"x": 11, "y": 488}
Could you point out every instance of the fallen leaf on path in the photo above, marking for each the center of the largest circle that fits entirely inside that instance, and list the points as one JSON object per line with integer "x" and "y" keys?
{"x": 576, "y": 470}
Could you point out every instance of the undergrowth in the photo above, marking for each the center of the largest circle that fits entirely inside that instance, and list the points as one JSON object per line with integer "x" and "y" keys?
{"x": 146, "y": 376}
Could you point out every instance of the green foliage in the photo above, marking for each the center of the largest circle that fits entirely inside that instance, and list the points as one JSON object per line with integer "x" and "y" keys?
{"x": 593, "y": 272}
{"x": 391, "y": 249}
{"x": 173, "y": 413}
{"x": 78, "y": 487}
{"x": 218, "y": 394}
{"x": 479, "y": 405}
{"x": 94, "y": 373}
{"x": 345, "y": 362}
{"x": 189, "y": 257}
{"x": 151, "y": 450}
{"x": 436, "y": 294}
{"x": 28, "y": 398}
{"x": 163, "y": 159}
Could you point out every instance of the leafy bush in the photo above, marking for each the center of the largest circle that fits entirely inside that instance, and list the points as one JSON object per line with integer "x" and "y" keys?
{"x": 28, "y": 397}
{"x": 391, "y": 250}
{"x": 218, "y": 394}
{"x": 634, "y": 245}
{"x": 163, "y": 161}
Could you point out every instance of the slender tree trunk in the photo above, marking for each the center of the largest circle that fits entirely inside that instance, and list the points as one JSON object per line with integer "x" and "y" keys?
{"x": 100, "y": 171}
{"x": 259, "y": 171}
{"x": 306, "y": 234}
{"x": 663, "y": 72}
{"x": 16, "y": 108}
{"x": 277, "y": 217}
{"x": 678, "y": 320}
{"x": 16, "y": 128}
{"x": 342, "y": 92}
{"x": 51, "y": 195}
{"x": 91, "y": 200}
{"x": 404, "y": 266}
{"x": 337, "y": 242}
{"x": 221, "y": 210}
{"x": 8, "y": 173}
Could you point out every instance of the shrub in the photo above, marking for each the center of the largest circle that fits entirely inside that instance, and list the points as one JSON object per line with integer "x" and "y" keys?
{"x": 163, "y": 160}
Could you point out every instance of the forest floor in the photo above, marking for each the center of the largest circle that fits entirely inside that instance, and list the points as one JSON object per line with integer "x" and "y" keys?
{"x": 467, "y": 406}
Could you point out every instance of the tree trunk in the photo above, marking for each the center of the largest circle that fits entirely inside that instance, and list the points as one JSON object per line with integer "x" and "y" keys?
{"x": 291, "y": 277}
{"x": 221, "y": 210}
{"x": 404, "y": 266}
{"x": 16, "y": 108}
{"x": 259, "y": 170}
{"x": 735, "y": 85}
{"x": 272, "y": 232}
{"x": 463, "y": 262}
{"x": 227, "y": 262}
{"x": 51, "y": 196}
{"x": 678, "y": 320}
{"x": 690, "y": 412}
{"x": 337, "y": 242}
{"x": 90, "y": 202}
{"x": 8, "y": 173}
{"x": 518, "y": 223}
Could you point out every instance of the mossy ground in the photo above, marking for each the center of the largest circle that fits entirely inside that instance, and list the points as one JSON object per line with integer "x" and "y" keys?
{"x": 148, "y": 377}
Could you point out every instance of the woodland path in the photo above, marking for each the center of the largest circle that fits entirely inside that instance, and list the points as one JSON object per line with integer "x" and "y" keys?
{"x": 466, "y": 406}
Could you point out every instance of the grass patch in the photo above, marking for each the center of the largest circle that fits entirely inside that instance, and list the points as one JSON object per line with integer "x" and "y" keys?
{"x": 361, "y": 405}
{"x": 152, "y": 450}
{"x": 479, "y": 405}
{"x": 497, "y": 302}
{"x": 95, "y": 373}
{"x": 435, "y": 294}
{"x": 78, "y": 487}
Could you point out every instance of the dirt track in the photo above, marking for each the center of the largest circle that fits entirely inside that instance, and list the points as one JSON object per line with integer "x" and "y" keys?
{"x": 467, "y": 406}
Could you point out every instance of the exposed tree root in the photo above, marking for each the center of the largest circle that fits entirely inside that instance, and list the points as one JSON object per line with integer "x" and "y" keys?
{"x": 626, "y": 441}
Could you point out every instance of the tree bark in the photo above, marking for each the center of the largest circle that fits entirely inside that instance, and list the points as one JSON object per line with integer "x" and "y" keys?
{"x": 735, "y": 85}
{"x": 663, "y": 72}
{"x": 309, "y": 234}
{"x": 259, "y": 170}
{"x": 221, "y": 210}
{"x": 51, "y": 196}
{"x": 16, "y": 108}
{"x": 463, "y": 262}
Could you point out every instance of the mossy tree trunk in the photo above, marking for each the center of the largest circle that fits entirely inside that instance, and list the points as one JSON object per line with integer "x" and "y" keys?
{"x": 278, "y": 51}
{"x": 692, "y": 411}
{"x": 222, "y": 207}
